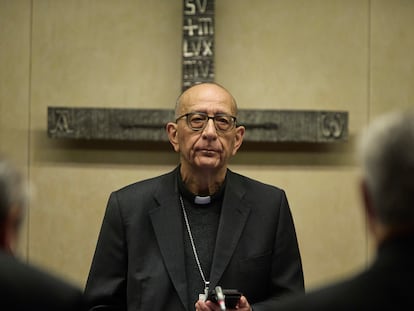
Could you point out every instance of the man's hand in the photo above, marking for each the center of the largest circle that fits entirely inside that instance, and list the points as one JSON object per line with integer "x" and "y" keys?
{"x": 208, "y": 305}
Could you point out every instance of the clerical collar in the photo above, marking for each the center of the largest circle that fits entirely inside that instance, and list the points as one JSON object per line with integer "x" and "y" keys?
{"x": 197, "y": 199}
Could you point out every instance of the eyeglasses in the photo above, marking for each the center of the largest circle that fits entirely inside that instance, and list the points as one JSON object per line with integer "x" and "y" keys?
{"x": 197, "y": 121}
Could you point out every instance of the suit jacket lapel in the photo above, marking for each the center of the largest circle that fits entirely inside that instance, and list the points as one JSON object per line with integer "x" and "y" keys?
{"x": 167, "y": 222}
{"x": 233, "y": 218}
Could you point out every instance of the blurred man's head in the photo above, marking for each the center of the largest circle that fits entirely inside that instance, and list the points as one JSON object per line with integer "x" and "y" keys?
{"x": 13, "y": 198}
{"x": 387, "y": 155}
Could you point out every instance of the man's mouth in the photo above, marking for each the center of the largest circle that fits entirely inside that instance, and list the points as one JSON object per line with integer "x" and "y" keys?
{"x": 208, "y": 151}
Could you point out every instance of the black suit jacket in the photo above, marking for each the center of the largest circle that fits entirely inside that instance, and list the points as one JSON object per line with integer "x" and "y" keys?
{"x": 24, "y": 287}
{"x": 386, "y": 285}
{"x": 139, "y": 258}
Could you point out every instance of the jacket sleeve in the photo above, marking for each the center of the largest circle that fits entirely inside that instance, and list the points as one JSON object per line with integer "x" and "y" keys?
{"x": 287, "y": 272}
{"x": 106, "y": 285}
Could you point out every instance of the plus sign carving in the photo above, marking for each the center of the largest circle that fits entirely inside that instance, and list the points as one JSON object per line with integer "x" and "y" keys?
{"x": 198, "y": 42}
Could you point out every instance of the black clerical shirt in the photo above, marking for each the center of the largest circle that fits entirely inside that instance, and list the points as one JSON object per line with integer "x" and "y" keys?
{"x": 203, "y": 221}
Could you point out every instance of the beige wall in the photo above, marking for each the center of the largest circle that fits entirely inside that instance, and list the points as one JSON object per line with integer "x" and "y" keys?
{"x": 310, "y": 54}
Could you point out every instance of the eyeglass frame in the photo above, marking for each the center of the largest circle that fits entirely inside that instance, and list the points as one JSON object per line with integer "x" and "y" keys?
{"x": 233, "y": 118}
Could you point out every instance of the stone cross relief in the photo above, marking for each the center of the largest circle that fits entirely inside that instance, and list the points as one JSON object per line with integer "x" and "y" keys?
{"x": 311, "y": 126}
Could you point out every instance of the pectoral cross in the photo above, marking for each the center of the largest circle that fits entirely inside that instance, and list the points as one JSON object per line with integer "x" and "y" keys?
{"x": 197, "y": 66}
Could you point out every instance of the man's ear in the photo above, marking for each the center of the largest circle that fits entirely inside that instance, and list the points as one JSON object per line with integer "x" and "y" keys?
{"x": 9, "y": 229}
{"x": 238, "y": 139}
{"x": 172, "y": 133}
{"x": 369, "y": 210}
{"x": 367, "y": 200}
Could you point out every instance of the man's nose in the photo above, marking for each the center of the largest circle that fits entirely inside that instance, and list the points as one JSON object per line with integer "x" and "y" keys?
{"x": 210, "y": 128}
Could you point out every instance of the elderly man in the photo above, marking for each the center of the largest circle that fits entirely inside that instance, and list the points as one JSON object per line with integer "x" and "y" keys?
{"x": 24, "y": 287}
{"x": 167, "y": 241}
{"x": 387, "y": 188}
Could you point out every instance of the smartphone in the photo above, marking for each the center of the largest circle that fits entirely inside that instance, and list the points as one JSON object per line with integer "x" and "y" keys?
{"x": 231, "y": 297}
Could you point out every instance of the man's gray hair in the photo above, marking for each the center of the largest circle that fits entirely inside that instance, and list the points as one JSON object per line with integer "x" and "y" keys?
{"x": 13, "y": 191}
{"x": 387, "y": 153}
